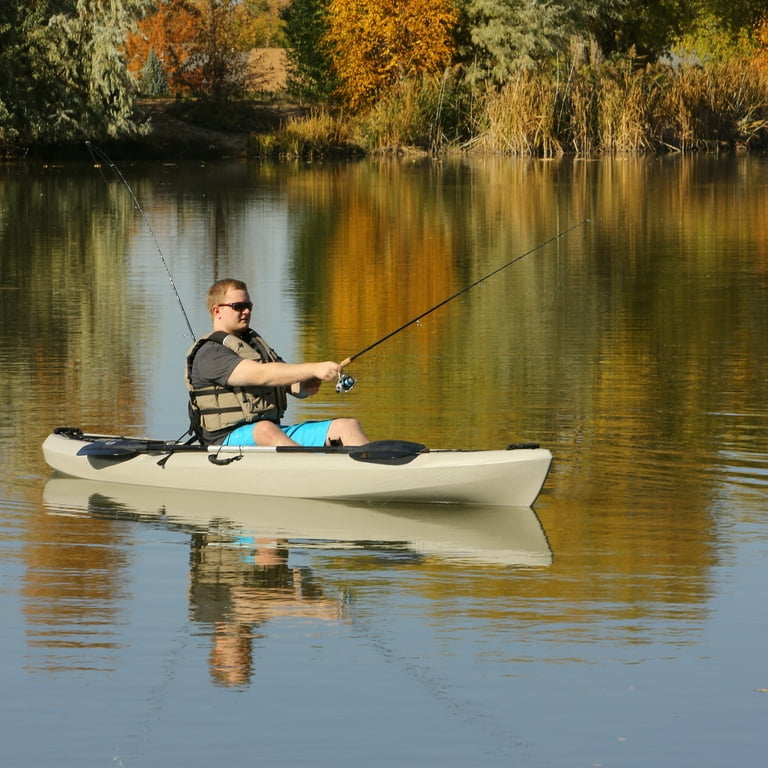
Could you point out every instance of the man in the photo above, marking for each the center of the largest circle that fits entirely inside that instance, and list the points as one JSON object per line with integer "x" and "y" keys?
{"x": 237, "y": 384}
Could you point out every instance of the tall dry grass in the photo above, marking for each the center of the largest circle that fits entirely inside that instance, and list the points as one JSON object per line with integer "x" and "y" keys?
{"x": 616, "y": 106}
{"x": 626, "y": 101}
{"x": 425, "y": 113}
{"x": 319, "y": 134}
{"x": 521, "y": 118}
{"x": 588, "y": 107}
{"x": 722, "y": 104}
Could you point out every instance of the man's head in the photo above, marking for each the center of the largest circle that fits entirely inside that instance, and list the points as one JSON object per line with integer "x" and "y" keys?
{"x": 229, "y": 305}
{"x": 218, "y": 291}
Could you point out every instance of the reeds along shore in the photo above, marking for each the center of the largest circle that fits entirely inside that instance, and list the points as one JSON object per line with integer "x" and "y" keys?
{"x": 614, "y": 107}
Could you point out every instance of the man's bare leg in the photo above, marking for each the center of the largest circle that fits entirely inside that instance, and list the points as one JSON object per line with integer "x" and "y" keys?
{"x": 267, "y": 433}
{"x": 348, "y": 431}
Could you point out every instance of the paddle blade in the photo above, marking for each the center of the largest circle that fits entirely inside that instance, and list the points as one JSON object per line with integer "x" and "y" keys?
{"x": 387, "y": 451}
{"x": 111, "y": 448}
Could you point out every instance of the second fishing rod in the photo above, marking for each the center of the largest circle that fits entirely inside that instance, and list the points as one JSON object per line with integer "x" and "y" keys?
{"x": 346, "y": 382}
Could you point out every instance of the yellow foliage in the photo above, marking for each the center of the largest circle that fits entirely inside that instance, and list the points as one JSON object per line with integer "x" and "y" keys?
{"x": 376, "y": 43}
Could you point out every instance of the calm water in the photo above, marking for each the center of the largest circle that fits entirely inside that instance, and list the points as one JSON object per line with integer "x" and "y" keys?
{"x": 621, "y": 623}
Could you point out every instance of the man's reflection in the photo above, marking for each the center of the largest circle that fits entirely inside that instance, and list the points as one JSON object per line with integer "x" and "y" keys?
{"x": 237, "y": 586}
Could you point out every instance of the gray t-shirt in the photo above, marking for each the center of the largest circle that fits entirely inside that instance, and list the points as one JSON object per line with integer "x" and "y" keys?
{"x": 213, "y": 363}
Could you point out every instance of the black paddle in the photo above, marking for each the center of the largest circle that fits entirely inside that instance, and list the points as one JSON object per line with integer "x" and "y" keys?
{"x": 385, "y": 451}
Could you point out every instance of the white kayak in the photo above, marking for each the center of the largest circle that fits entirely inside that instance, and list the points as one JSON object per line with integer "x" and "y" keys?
{"x": 459, "y": 534}
{"x": 390, "y": 470}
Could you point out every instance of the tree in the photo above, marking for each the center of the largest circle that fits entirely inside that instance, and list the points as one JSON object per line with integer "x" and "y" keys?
{"x": 266, "y": 25}
{"x": 505, "y": 36}
{"x": 64, "y": 75}
{"x": 509, "y": 35}
{"x": 310, "y": 72}
{"x": 375, "y": 43}
{"x": 168, "y": 29}
{"x": 10, "y": 49}
{"x": 735, "y": 14}
{"x": 648, "y": 28}
{"x": 202, "y": 44}
{"x": 216, "y": 67}
{"x": 153, "y": 81}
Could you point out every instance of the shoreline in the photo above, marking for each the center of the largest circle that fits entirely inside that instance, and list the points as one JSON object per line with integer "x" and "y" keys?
{"x": 178, "y": 131}
{"x": 190, "y": 130}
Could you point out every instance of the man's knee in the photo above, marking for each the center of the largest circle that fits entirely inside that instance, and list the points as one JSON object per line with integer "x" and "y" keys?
{"x": 349, "y": 431}
{"x": 266, "y": 433}
{"x": 346, "y": 426}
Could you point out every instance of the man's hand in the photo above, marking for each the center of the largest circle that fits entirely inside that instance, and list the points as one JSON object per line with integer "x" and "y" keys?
{"x": 306, "y": 388}
{"x": 327, "y": 371}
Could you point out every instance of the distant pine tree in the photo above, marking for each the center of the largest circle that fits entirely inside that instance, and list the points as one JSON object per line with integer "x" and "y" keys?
{"x": 153, "y": 81}
{"x": 310, "y": 72}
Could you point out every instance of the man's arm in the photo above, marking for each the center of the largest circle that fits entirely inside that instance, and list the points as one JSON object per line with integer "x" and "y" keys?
{"x": 249, "y": 373}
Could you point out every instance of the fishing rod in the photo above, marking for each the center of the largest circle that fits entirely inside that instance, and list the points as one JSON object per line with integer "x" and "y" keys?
{"x": 99, "y": 157}
{"x": 346, "y": 382}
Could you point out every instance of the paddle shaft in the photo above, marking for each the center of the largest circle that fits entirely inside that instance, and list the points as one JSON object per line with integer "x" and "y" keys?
{"x": 123, "y": 447}
{"x": 128, "y": 446}
{"x": 344, "y": 363}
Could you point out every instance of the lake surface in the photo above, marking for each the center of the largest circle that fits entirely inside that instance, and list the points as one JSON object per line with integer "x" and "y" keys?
{"x": 622, "y": 622}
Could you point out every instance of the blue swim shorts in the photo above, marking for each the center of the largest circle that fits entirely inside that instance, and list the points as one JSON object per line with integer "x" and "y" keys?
{"x": 308, "y": 433}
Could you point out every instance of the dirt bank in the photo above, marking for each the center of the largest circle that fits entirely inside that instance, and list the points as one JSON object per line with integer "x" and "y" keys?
{"x": 190, "y": 129}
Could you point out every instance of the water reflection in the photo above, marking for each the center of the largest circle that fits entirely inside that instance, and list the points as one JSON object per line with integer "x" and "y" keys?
{"x": 636, "y": 353}
{"x": 241, "y": 575}
{"x": 238, "y": 585}
{"x": 74, "y": 591}
{"x": 507, "y": 536}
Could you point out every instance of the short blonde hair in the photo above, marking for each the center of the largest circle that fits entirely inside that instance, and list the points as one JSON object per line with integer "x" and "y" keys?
{"x": 218, "y": 291}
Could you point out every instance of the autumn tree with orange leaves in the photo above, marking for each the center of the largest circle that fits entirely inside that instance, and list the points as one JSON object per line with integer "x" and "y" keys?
{"x": 202, "y": 45}
{"x": 374, "y": 44}
{"x": 169, "y": 31}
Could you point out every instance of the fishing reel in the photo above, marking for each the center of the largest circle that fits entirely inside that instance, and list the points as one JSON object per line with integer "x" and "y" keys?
{"x": 345, "y": 382}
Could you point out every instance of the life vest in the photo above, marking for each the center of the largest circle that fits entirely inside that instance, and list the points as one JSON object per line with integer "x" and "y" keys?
{"x": 217, "y": 408}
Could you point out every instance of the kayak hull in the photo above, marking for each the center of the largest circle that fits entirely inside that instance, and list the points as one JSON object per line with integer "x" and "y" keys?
{"x": 494, "y": 477}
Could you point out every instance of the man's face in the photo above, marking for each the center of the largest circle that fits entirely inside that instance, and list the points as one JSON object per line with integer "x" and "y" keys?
{"x": 233, "y": 319}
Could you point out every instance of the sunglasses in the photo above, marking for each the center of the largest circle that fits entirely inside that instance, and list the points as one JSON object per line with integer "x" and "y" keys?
{"x": 239, "y": 306}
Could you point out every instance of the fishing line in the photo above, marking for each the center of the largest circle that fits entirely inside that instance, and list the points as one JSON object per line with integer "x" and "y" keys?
{"x": 99, "y": 157}
{"x": 348, "y": 360}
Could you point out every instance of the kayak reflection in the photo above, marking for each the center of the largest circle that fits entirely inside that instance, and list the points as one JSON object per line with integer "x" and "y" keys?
{"x": 510, "y": 536}
{"x": 250, "y": 556}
